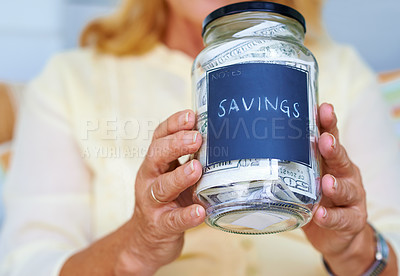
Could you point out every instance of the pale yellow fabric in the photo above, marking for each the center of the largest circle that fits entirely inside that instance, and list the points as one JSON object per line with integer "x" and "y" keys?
{"x": 96, "y": 114}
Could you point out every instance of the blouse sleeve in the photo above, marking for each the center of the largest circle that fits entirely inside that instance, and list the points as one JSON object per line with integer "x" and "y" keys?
{"x": 47, "y": 192}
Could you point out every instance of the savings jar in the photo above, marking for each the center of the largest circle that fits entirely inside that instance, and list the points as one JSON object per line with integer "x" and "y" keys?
{"x": 255, "y": 86}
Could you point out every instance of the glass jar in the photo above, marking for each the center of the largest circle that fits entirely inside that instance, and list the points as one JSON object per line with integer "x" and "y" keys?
{"x": 255, "y": 88}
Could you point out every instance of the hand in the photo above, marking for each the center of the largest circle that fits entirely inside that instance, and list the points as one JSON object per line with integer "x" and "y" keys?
{"x": 339, "y": 228}
{"x": 163, "y": 199}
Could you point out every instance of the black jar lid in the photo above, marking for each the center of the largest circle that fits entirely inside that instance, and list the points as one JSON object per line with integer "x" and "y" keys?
{"x": 259, "y": 6}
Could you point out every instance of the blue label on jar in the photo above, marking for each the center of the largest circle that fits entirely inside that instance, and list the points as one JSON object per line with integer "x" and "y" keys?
{"x": 258, "y": 110}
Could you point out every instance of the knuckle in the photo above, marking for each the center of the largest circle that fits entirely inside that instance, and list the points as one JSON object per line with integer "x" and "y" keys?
{"x": 175, "y": 222}
{"x": 348, "y": 225}
{"x": 152, "y": 152}
{"x": 344, "y": 223}
{"x": 182, "y": 134}
{"x": 345, "y": 192}
{"x": 153, "y": 157}
{"x": 339, "y": 221}
{"x": 354, "y": 191}
{"x": 159, "y": 129}
{"x": 181, "y": 145}
{"x": 171, "y": 185}
{"x": 151, "y": 231}
{"x": 348, "y": 193}
{"x": 171, "y": 144}
{"x": 178, "y": 142}
{"x": 348, "y": 198}
{"x": 152, "y": 227}
{"x": 160, "y": 188}
{"x": 343, "y": 160}
{"x": 177, "y": 179}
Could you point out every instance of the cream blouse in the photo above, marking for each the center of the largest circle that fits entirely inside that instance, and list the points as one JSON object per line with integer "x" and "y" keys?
{"x": 85, "y": 127}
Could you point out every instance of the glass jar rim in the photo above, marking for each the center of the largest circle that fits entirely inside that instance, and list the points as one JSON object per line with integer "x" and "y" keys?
{"x": 254, "y": 6}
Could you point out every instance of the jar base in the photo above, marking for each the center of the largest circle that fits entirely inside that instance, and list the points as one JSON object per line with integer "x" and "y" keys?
{"x": 255, "y": 218}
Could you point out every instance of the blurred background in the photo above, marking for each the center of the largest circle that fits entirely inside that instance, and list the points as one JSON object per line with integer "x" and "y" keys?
{"x": 31, "y": 31}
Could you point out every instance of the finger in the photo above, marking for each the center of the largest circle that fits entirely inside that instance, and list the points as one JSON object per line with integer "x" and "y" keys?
{"x": 328, "y": 119}
{"x": 169, "y": 186}
{"x": 335, "y": 157}
{"x": 182, "y": 120}
{"x": 341, "y": 192}
{"x": 167, "y": 149}
{"x": 181, "y": 219}
{"x": 340, "y": 219}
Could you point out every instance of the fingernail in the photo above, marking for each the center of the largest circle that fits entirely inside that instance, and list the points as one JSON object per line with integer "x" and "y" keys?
{"x": 195, "y": 213}
{"x": 184, "y": 119}
{"x": 189, "y": 138}
{"x": 325, "y": 212}
{"x": 189, "y": 168}
{"x": 334, "y": 182}
{"x": 333, "y": 109}
{"x": 187, "y": 117}
{"x": 333, "y": 145}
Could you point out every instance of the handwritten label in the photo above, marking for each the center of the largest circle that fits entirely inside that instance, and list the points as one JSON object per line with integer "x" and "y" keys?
{"x": 257, "y": 110}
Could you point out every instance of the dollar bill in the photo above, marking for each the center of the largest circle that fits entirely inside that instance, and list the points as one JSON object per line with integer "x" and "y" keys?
{"x": 296, "y": 177}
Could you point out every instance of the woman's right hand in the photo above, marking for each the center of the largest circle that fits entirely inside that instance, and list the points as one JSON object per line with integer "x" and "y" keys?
{"x": 164, "y": 208}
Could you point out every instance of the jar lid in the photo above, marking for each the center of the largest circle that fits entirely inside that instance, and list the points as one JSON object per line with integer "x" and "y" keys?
{"x": 257, "y": 6}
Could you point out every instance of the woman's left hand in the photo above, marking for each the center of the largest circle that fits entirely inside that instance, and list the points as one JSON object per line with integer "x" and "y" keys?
{"x": 339, "y": 229}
